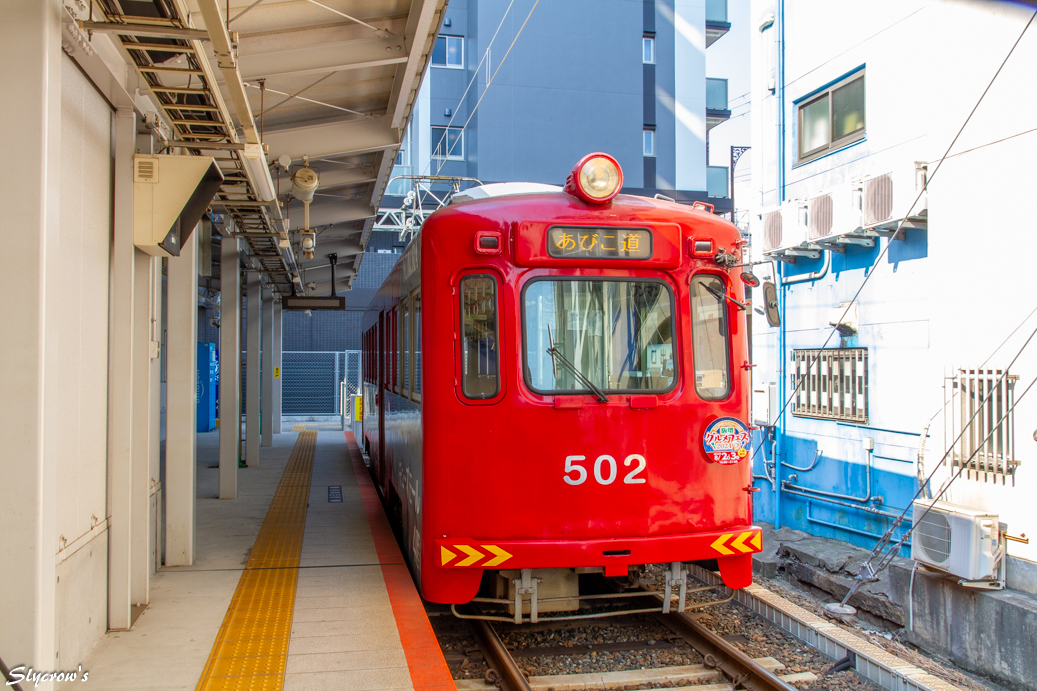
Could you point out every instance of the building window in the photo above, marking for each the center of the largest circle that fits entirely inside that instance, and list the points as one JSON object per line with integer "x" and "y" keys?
{"x": 649, "y": 141}
{"x": 449, "y": 143}
{"x": 448, "y": 52}
{"x": 830, "y": 384}
{"x": 831, "y": 118}
{"x": 648, "y": 50}
{"x": 981, "y": 402}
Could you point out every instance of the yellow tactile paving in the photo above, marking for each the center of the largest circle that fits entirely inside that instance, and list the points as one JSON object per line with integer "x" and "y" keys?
{"x": 251, "y": 648}
{"x": 299, "y": 427}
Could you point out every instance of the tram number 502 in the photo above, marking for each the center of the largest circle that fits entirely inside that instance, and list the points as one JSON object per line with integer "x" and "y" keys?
{"x": 605, "y": 470}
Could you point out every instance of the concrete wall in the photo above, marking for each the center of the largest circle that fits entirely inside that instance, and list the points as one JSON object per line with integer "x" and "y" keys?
{"x": 936, "y": 299}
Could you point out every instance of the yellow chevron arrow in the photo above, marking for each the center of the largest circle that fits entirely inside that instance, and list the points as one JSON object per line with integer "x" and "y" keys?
{"x": 738, "y": 543}
{"x": 446, "y": 555}
{"x": 755, "y": 542}
{"x": 719, "y": 544}
{"x": 474, "y": 555}
{"x": 501, "y": 557}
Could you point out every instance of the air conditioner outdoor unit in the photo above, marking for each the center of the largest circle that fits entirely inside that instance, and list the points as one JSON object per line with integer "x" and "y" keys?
{"x": 961, "y": 541}
{"x": 883, "y": 200}
{"x": 784, "y": 231}
{"x": 832, "y": 221}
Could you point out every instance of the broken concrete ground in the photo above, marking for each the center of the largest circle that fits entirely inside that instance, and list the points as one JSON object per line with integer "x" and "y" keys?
{"x": 993, "y": 633}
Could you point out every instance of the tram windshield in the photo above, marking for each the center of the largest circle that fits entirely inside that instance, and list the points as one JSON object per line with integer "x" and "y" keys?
{"x": 617, "y": 334}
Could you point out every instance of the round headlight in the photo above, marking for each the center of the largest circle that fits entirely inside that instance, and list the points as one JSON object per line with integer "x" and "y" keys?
{"x": 597, "y": 178}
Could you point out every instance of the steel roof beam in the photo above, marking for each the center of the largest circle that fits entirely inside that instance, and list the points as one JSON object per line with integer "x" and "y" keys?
{"x": 422, "y": 24}
{"x": 332, "y": 177}
{"x": 322, "y": 58}
{"x": 333, "y": 139}
{"x": 328, "y": 214}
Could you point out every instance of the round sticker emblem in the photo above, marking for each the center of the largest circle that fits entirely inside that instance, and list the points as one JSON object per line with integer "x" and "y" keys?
{"x": 726, "y": 440}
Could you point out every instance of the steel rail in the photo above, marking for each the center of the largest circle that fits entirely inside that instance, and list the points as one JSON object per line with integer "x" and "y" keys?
{"x": 739, "y": 668}
{"x": 508, "y": 676}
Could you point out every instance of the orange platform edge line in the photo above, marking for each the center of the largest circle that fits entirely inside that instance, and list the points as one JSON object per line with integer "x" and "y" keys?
{"x": 428, "y": 669}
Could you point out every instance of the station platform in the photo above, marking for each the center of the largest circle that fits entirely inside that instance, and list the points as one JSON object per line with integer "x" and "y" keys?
{"x": 297, "y": 584}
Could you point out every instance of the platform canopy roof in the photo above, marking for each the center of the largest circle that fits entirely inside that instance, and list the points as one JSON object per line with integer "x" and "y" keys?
{"x": 331, "y": 81}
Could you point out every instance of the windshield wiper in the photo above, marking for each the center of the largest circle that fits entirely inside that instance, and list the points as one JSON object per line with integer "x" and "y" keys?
{"x": 724, "y": 295}
{"x": 580, "y": 376}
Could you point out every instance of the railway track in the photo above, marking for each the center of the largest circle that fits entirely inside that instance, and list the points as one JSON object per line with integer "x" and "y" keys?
{"x": 724, "y": 667}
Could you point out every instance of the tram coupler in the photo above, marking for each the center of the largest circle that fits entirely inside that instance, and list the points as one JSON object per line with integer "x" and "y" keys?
{"x": 525, "y": 584}
{"x": 675, "y": 574}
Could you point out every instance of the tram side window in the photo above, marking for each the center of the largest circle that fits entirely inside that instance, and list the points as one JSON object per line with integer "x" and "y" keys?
{"x": 395, "y": 352}
{"x": 405, "y": 334}
{"x": 709, "y": 335}
{"x": 416, "y": 301}
{"x": 401, "y": 355}
{"x": 480, "y": 357}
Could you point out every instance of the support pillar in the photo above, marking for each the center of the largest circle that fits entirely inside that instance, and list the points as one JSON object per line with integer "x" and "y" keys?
{"x": 30, "y": 70}
{"x": 181, "y": 403}
{"x": 275, "y": 401}
{"x": 146, "y": 371}
{"x": 230, "y": 366}
{"x": 156, "y": 488}
{"x": 252, "y": 360}
{"x": 268, "y": 368}
{"x": 121, "y": 358}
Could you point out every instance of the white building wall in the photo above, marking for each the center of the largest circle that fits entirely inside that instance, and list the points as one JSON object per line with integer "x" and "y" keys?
{"x": 948, "y": 297}
{"x": 78, "y": 294}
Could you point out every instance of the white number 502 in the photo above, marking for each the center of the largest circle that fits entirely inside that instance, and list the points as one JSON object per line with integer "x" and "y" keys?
{"x": 605, "y": 470}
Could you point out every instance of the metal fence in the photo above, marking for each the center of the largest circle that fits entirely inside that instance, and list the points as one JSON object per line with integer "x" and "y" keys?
{"x": 311, "y": 379}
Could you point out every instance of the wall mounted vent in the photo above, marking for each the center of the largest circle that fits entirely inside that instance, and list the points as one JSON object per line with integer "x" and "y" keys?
{"x": 145, "y": 170}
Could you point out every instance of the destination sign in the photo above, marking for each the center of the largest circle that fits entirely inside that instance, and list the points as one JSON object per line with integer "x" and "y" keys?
{"x": 586, "y": 242}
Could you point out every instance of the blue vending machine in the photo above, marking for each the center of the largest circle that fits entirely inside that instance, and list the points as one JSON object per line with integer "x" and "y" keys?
{"x": 206, "y": 387}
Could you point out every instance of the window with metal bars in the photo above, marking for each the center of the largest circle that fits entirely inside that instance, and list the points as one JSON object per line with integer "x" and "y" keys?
{"x": 977, "y": 407}
{"x": 830, "y": 384}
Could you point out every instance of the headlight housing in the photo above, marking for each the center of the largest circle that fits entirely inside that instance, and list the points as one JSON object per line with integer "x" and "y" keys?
{"x": 596, "y": 179}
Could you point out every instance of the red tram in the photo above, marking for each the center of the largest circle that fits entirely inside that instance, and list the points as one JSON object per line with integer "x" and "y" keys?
{"x": 555, "y": 384}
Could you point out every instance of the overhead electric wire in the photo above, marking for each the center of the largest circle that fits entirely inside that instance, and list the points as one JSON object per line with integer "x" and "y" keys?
{"x": 471, "y": 115}
{"x": 475, "y": 74}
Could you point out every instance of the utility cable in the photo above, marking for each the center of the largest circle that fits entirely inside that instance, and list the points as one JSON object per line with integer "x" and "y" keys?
{"x": 418, "y": 199}
{"x": 475, "y": 75}
{"x": 867, "y": 572}
{"x": 471, "y": 115}
{"x": 900, "y": 224}
{"x": 925, "y": 432}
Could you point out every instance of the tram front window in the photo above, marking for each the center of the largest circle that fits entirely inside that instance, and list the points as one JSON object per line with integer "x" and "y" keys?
{"x": 618, "y": 334}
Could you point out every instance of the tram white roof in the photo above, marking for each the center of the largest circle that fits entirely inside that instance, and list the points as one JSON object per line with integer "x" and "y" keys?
{"x": 503, "y": 189}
